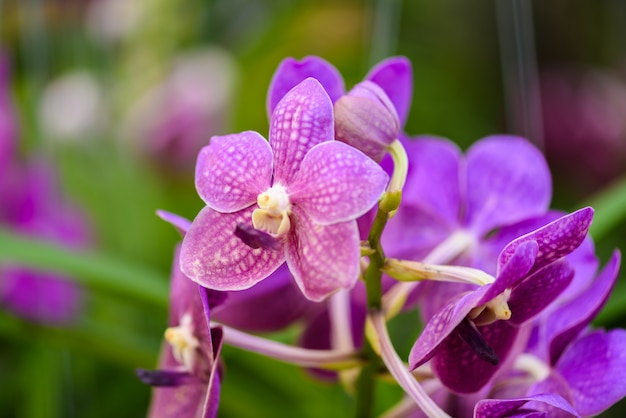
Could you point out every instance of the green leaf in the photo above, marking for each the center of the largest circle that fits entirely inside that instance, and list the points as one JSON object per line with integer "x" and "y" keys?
{"x": 97, "y": 271}
{"x": 610, "y": 209}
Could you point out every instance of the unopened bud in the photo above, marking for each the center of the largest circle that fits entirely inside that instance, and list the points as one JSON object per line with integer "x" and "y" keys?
{"x": 367, "y": 120}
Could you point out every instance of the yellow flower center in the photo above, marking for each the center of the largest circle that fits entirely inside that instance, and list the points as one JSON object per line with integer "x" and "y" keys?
{"x": 272, "y": 216}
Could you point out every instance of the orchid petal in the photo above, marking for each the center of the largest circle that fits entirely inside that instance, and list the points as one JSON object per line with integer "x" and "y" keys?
{"x": 433, "y": 179}
{"x": 181, "y": 224}
{"x": 441, "y": 326}
{"x": 337, "y": 183}
{"x": 461, "y": 370}
{"x": 535, "y": 293}
{"x": 291, "y": 72}
{"x": 323, "y": 259}
{"x": 301, "y": 120}
{"x": 255, "y": 309}
{"x": 233, "y": 170}
{"x": 594, "y": 366}
{"x": 395, "y": 76}
{"x": 567, "y": 321}
{"x": 508, "y": 180}
{"x": 212, "y": 399}
{"x": 556, "y": 239}
{"x": 500, "y": 408}
{"x": 212, "y": 256}
{"x": 514, "y": 270}
{"x": 182, "y": 401}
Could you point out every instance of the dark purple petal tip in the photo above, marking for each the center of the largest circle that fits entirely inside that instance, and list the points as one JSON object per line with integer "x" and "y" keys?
{"x": 166, "y": 378}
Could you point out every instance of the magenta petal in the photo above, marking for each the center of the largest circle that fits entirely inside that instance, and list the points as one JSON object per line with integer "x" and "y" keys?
{"x": 500, "y": 408}
{"x": 508, "y": 180}
{"x": 337, "y": 183}
{"x": 322, "y": 259}
{"x": 291, "y": 72}
{"x": 233, "y": 170}
{"x": 461, "y": 370}
{"x": 301, "y": 120}
{"x": 595, "y": 366}
{"x": 568, "y": 320}
{"x": 513, "y": 271}
{"x": 556, "y": 239}
{"x": 538, "y": 291}
{"x": 441, "y": 325}
{"x": 215, "y": 258}
{"x": 395, "y": 76}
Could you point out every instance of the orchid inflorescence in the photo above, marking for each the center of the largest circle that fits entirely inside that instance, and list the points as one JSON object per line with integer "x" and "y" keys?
{"x": 340, "y": 222}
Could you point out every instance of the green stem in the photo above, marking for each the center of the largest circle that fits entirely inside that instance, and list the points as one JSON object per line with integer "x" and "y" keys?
{"x": 365, "y": 383}
{"x": 373, "y": 274}
{"x": 98, "y": 271}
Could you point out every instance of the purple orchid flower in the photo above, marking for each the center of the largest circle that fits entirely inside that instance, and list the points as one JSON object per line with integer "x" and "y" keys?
{"x": 566, "y": 358}
{"x": 187, "y": 382}
{"x": 464, "y": 209}
{"x": 303, "y": 188}
{"x": 31, "y": 204}
{"x": 486, "y": 324}
{"x": 371, "y": 115}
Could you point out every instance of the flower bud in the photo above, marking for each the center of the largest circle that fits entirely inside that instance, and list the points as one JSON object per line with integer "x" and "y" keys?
{"x": 367, "y": 119}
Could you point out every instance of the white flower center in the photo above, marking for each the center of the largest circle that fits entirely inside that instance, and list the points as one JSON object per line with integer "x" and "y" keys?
{"x": 184, "y": 343}
{"x": 273, "y": 213}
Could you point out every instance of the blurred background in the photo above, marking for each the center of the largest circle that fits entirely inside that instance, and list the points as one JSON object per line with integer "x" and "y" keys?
{"x": 105, "y": 103}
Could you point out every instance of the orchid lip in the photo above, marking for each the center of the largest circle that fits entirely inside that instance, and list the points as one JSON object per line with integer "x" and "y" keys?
{"x": 272, "y": 216}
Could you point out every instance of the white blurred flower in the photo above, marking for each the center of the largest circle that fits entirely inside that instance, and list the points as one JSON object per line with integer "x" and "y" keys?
{"x": 72, "y": 107}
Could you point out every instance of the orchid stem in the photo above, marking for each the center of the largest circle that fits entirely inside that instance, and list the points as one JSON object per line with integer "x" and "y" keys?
{"x": 398, "y": 369}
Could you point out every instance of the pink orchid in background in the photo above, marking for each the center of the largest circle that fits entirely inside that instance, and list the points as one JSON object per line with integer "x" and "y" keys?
{"x": 32, "y": 204}
{"x": 187, "y": 382}
{"x": 302, "y": 188}
{"x": 371, "y": 115}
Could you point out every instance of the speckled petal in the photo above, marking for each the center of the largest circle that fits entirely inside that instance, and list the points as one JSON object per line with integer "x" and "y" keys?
{"x": 568, "y": 320}
{"x": 538, "y": 291}
{"x": 322, "y": 259}
{"x": 233, "y": 170}
{"x": 301, "y": 120}
{"x": 508, "y": 180}
{"x": 215, "y": 258}
{"x": 523, "y": 407}
{"x": 395, "y": 76}
{"x": 515, "y": 269}
{"x": 595, "y": 366}
{"x": 555, "y": 240}
{"x": 337, "y": 183}
{"x": 291, "y": 72}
